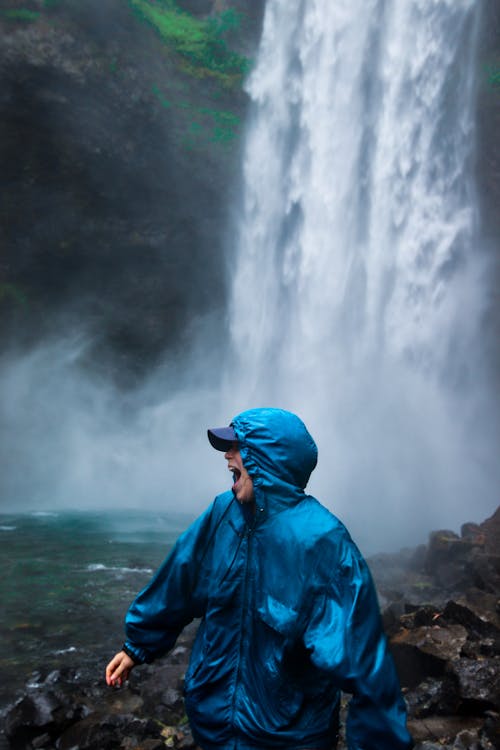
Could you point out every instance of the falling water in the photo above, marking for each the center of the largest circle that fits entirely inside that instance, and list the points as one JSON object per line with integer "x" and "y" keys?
{"x": 357, "y": 291}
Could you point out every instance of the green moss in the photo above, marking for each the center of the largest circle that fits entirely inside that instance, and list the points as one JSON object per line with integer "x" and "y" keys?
{"x": 21, "y": 14}
{"x": 494, "y": 77}
{"x": 200, "y": 44}
{"x": 12, "y": 293}
{"x": 208, "y": 124}
{"x": 422, "y": 585}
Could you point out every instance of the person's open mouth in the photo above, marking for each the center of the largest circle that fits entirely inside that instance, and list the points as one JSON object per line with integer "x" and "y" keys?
{"x": 236, "y": 476}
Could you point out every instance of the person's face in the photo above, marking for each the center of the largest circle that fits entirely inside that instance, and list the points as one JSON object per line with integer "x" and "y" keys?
{"x": 243, "y": 485}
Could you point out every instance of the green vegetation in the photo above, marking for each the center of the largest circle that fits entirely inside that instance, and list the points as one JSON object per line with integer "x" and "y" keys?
{"x": 217, "y": 126}
{"x": 494, "y": 76}
{"x": 21, "y": 14}
{"x": 422, "y": 585}
{"x": 12, "y": 293}
{"x": 200, "y": 44}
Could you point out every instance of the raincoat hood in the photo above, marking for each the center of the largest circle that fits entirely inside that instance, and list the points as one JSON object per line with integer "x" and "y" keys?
{"x": 277, "y": 451}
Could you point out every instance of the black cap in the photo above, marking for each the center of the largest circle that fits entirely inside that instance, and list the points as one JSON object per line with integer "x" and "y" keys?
{"x": 222, "y": 438}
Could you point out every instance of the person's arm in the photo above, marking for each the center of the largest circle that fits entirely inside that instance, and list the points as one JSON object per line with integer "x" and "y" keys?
{"x": 174, "y": 596}
{"x": 345, "y": 636}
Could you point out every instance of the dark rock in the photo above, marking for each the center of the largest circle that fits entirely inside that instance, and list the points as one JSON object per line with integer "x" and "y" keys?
{"x": 152, "y": 745}
{"x": 478, "y": 628}
{"x": 478, "y": 682}
{"x": 446, "y": 560}
{"x": 425, "y": 652}
{"x": 160, "y": 687}
{"x": 484, "y": 604}
{"x": 414, "y": 666}
{"x": 42, "y": 741}
{"x": 418, "y": 557}
{"x": 433, "y": 697}
{"x": 443, "y": 621}
{"x": 38, "y": 713}
{"x": 491, "y": 728}
{"x": 426, "y": 616}
{"x": 467, "y": 739}
{"x": 472, "y": 531}
{"x": 482, "y": 569}
{"x": 391, "y": 617}
{"x": 441, "y": 730}
{"x": 106, "y": 732}
{"x": 491, "y": 531}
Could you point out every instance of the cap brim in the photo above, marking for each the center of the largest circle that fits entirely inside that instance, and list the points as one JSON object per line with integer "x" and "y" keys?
{"x": 222, "y": 438}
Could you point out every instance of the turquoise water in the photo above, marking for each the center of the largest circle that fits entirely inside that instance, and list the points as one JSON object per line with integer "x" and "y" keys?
{"x": 67, "y": 580}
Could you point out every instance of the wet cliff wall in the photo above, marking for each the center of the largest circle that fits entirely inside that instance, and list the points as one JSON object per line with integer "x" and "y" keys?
{"x": 120, "y": 130}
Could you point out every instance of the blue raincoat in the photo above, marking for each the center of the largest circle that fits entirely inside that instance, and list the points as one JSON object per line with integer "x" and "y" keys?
{"x": 289, "y": 613}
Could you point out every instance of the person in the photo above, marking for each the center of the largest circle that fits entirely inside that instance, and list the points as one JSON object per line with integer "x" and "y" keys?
{"x": 288, "y": 611}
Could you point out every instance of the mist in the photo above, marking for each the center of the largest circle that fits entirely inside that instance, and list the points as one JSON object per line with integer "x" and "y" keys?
{"x": 73, "y": 439}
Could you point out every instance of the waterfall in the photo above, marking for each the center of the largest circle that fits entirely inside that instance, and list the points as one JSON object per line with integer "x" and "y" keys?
{"x": 357, "y": 285}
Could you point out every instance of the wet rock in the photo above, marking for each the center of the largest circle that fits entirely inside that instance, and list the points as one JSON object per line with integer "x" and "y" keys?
{"x": 467, "y": 739}
{"x": 39, "y": 713}
{"x": 478, "y": 682}
{"x": 441, "y": 730}
{"x": 484, "y": 604}
{"x": 491, "y": 531}
{"x": 161, "y": 685}
{"x": 425, "y": 651}
{"x": 448, "y": 560}
{"x": 43, "y": 740}
{"x": 483, "y": 634}
{"x": 443, "y": 622}
{"x": 472, "y": 531}
{"x": 433, "y": 697}
{"x": 391, "y": 617}
{"x": 491, "y": 728}
{"x": 107, "y": 732}
{"x": 421, "y": 616}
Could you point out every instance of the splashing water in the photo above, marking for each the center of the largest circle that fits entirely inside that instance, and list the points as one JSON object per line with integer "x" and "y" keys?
{"x": 358, "y": 286}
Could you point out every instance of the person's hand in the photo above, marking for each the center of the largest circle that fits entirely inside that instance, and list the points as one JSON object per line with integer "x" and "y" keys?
{"x": 118, "y": 669}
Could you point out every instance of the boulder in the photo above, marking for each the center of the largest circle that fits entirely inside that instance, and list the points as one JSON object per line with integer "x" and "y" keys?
{"x": 481, "y": 630}
{"x": 478, "y": 682}
{"x": 40, "y": 713}
{"x": 107, "y": 732}
{"x": 425, "y": 652}
{"x": 491, "y": 530}
{"x": 433, "y": 697}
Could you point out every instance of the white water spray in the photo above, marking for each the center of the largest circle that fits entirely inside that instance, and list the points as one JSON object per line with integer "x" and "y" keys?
{"x": 357, "y": 288}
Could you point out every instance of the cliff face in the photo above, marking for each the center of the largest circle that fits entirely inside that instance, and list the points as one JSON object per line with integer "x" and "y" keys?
{"x": 119, "y": 151}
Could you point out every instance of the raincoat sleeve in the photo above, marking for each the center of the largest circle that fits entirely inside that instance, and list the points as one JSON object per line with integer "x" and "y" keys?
{"x": 345, "y": 637}
{"x": 174, "y": 596}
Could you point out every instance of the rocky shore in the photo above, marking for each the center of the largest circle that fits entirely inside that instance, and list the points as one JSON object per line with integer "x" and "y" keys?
{"x": 441, "y": 610}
